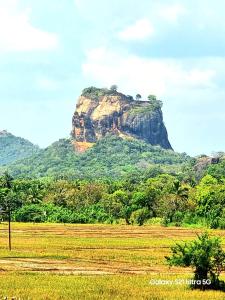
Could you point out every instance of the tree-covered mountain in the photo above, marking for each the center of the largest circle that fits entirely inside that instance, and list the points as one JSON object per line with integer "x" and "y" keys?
{"x": 112, "y": 136}
{"x": 14, "y": 148}
{"x": 111, "y": 157}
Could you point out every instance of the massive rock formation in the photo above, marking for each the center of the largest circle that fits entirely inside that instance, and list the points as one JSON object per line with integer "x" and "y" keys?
{"x": 101, "y": 111}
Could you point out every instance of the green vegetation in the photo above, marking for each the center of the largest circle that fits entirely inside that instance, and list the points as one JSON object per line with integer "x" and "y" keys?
{"x": 152, "y": 98}
{"x": 117, "y": 180}
{"x": 94, "y": 93}
{"x": 56, "y": 159}
{"x": 113, "y": 88}
{"x": 110, "y": 158}
{"x": 148, "y": 109}
{"x": 13, "y": 148}
{"x": 206, "y": 256}
{"x": 132, "y": 199}
{"x": 138, "y": 97}
{"x": 155, "y": 103}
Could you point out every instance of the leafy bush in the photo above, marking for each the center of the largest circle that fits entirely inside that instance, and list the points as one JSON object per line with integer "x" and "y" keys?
{"x": 178, "y": 218}
{"x": 206, "y": 256}
{"x": 94, "y": 93}
{"x": 30, "y": 213}
{"x": 140, "y": 216}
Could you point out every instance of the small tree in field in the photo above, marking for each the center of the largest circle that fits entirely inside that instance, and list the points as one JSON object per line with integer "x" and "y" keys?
{"x": 8, "y": 199}
{"x": 206, "y": 256}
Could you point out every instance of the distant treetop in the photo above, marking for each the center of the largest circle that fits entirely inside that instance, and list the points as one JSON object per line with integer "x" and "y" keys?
{"x": 152, "y": 98}
{"x": 114, "y": 88}
{"x": 138, "y": 97}
{"x": 93, "y": 92}
{"x": 154, "y": 101}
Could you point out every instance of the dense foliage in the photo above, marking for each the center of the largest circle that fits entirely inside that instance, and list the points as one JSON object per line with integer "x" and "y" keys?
{"x": 206, "y": 256}
{"x": 134, "y": 198}
{"x": 110, "y": 158}
{"x": 13, "y": 148}
{"x": 117, "y": 180}
{"x": 94, "y": 93}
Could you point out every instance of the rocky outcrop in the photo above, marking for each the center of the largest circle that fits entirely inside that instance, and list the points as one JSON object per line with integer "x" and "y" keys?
{"x": 100, "y": 112}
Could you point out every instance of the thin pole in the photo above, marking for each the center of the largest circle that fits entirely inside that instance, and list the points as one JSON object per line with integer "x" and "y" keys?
{"x": 10, "y": 246}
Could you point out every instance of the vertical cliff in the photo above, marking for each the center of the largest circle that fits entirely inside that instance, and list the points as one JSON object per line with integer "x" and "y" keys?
{"x": 101, "y": 111}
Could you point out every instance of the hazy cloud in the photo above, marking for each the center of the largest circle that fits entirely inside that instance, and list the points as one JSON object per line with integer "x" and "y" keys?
{"x": 140, "y": 30}
{"x": 146, "y": 75}
{"x": 17, "y": 32}
{"x": 172, "y": 12}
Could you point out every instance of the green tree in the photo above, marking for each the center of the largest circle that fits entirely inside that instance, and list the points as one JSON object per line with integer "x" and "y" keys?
{"x": 30, "y": 191}
{"x": 8, "y": 198}
{"x": 156, "y": 104}
{"x": 113, "y": 88}
{"x": 174, "y": 204}
{"x": 140, "y": 216}
{"x": 126, "y": 209}
{"x": 205, "y": 255}
{"x": 155, "y": 189}
{"x": 138, "y": 97}
{"x": 139, "y": 200}
{"x": 112, "y": 206}
{"x": 152, "y": 98}
{"x": 62, "y": 193}
{"x": 217, "y": 170}
{"x": 210, "y": 196}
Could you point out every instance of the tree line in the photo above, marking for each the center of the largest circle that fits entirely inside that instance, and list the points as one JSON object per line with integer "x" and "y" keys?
{"x": 165, "y": 198}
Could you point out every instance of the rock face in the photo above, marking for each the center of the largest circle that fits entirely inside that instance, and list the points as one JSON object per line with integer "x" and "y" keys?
{"x": 100, "y": 112}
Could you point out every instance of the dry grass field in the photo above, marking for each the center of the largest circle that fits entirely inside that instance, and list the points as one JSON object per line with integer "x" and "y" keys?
{"x": 56, "y": 261}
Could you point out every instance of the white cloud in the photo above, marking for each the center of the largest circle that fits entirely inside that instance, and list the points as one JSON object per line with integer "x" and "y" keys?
{"x": 140, "y": 30}
{"x": 17, "y": 33}
{"x": 144, "y": 75}
{"x": 201, "y": 78}
{"x": 173, "y": 12}
{"x": 46, "y": 83}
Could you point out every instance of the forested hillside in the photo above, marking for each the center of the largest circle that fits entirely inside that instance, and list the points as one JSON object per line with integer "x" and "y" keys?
{"x": 13, "y": 148}
{"x": 116, "y": 180}
{"x": 111, "y": 157}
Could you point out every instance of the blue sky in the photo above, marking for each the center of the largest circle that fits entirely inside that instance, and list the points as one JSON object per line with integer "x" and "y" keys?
{"x": 51, "y": 50}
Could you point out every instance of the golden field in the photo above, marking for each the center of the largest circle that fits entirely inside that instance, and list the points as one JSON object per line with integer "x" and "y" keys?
{"x": 57, "y": 261}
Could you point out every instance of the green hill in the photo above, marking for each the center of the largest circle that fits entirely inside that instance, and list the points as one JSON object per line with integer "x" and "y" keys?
{"x": 110, "y": 157}
{"x": 14, "y": 148}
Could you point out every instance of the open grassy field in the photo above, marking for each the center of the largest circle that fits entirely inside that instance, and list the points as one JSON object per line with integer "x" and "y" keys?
{"x": 56, "y": 261}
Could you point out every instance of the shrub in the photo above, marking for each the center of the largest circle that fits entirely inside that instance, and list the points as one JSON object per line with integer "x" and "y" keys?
{"x": 140, "y": 216}
{"x": 206, "y": 256}
{"x": 30, "y": 213}
{"x": 177, "y": 218}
